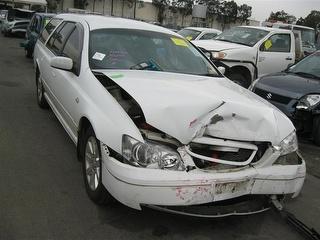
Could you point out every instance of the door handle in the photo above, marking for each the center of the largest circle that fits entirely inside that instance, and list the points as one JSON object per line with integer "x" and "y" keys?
{"x": 289, "y": 58}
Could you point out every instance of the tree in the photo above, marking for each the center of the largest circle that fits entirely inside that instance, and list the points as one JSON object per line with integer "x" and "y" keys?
{"x": 184, "y": 7}
{"x": 281, "y": 16}
{"x": 244, "y": 12}
{"x": 227, "y": 12}
{"x": 300, "y": 21}
{"x": 313, "y": 19}
{"x": 161, "y": 6}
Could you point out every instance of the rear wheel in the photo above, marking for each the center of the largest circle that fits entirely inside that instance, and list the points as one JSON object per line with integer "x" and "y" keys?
{"x": 92, "y": 168}
{"x": 316, "y": 130}
{"x": 239, "y": 79}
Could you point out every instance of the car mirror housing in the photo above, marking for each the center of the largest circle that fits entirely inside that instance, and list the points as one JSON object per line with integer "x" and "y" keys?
{"x": 63, "y": 63}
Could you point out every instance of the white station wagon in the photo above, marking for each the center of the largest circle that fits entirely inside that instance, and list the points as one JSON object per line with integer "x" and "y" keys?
{"x": 157, "y": 125}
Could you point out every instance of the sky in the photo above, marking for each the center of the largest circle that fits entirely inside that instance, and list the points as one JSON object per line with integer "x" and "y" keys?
{"x": 261, "y": 9}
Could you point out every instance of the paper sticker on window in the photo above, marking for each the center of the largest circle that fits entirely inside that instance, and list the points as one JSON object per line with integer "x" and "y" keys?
{"x": 98, "y": 56}
{"x": 179, "y": 42}
{"x": 267, "y": 44}
{"x": 189, "y": 38}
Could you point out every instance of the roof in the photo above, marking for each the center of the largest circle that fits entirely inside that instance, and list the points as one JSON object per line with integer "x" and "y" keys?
{"x": 34, "y": 2}
{"x": 268, "y": 29}
{"x": 46, "y": 14}
{"x": 204, "y": 29}
{"x": 99, "y": 22}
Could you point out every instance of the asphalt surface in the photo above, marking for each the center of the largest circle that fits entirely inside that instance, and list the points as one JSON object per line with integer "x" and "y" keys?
{"x": 42, "y": 194}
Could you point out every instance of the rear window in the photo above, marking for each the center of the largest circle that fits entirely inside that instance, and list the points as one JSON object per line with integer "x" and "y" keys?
{"x": 48, "y": 29}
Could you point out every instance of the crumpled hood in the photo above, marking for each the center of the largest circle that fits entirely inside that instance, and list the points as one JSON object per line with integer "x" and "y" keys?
{"x": 215, "y": 45}
{"x": 188, "y": 106}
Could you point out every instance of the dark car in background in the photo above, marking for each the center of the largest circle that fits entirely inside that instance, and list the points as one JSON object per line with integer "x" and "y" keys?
{"x": 296, "y": 92}
{"x": 37, "y": 23}
{"x": 17, "y": 22}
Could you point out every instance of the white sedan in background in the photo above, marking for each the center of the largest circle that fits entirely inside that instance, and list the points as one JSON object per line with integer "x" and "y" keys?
{"x": 198, "y": 33}
{"x": 156, "y": 124}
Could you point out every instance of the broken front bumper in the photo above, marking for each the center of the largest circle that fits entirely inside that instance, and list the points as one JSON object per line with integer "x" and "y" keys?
{"x": 136, "y": 187}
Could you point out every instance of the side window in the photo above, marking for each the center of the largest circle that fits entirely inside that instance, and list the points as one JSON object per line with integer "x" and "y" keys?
{"x": 73, "y": 48}
{"x": 207, "y": 36}
{"x": 277, "y": 43}
{"x": 59, "y": 37}
{"x": 48, "y": 29}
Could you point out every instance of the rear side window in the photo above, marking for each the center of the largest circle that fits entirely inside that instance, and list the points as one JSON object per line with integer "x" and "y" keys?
{"x": 59, "y": 37}
{"x": 48, "y": 29}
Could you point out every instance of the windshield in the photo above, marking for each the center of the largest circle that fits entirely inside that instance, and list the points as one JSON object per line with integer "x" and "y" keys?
{"x": 308, "y": 66}
{"x": 308, "y": 37}
{"x": 189, "y": 34}
{"x": 242, "y": 35}
{"x": 145, "y": 50}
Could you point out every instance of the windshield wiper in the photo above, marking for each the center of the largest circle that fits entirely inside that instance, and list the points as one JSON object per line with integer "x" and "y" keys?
{"x": 148, "y": 65}
{"x": 225, "y": 40}
{"x": 309, "y": 75}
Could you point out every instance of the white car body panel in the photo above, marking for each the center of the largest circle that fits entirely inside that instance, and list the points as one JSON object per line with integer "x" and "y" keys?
{"x": 266, "y": 62}
{"x": 180, "y": 105}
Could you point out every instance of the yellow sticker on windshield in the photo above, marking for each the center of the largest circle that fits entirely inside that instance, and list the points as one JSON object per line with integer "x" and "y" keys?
{"x": 189, "y": 38}
{"x": 179, "y": 42}
{"x": 267, "y": 44}
{"x": 46, "y": 21}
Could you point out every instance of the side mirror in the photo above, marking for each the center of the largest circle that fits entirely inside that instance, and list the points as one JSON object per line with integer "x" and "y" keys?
{"x": 222, "y": 70}
{"x": 63, "y": 63}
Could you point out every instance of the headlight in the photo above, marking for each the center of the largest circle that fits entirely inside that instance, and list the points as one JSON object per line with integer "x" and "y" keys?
{"x": 253, "y": 84}
{"x": 219, "y": 55}
{"x": 308, "y": 101}
{"x": 288, "y": 145}
{"x": 150, "y": 155}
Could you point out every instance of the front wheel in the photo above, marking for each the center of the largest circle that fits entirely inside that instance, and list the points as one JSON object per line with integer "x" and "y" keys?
{"x": 316, "y": 130}
{"x": 92, "y": 169}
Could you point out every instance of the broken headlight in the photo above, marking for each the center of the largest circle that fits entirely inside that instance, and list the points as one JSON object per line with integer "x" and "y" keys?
{"x": 289, "y": 159}
{"x": 150, "y": 155}
{"x": 288, "y": 145}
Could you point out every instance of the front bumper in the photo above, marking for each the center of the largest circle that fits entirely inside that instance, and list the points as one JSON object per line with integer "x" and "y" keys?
{"x": 136, "y": 187}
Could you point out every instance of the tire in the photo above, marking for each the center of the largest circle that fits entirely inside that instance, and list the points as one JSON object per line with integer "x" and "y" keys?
{"x": 42, "y": 102}
{"x": 28, "y": 53}
{"x": 92, "y": 168}
{"x": 239, "y": 79}
{"x": 316, "y": 130}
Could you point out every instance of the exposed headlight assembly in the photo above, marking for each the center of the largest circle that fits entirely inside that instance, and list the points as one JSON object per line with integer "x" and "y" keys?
{"x": 150, "y": 155}
{"x": 288, "y": 145}
{"x": 308, "y": 101}
{"x": 219, "y": 55}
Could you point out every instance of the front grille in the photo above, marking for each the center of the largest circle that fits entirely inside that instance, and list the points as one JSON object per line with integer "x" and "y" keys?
{"x": 236, "y": 156}
{"x": 272, "y": 96}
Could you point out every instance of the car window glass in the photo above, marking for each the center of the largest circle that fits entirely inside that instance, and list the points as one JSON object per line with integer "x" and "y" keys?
{"x": 277, "y": 43}
{"x": 72, "y": 48}
{"x": 207, "y": 36}
{"x": 48, "y": 29}
{"x": 139, "y": 49}
{"x": 60, "y": 37}
{"x": 308, "y": 65}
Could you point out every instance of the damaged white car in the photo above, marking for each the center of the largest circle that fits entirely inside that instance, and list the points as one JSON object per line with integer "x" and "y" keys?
{"x": 157, "y": 125}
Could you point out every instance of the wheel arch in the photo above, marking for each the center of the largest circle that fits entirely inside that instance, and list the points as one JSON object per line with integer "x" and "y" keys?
{"x": 84, "y": 124}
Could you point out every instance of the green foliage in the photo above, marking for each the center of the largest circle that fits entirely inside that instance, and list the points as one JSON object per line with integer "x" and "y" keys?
{"x": 244, "y": 12}
{"x": 312, "y": 20}
{"x": 281, "y": 16}
{"x": 161, "y": 5}
{"x": 227, "y": 12}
